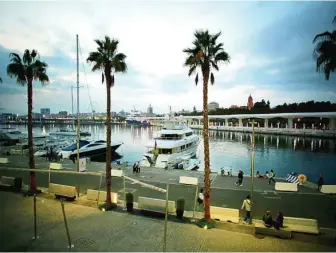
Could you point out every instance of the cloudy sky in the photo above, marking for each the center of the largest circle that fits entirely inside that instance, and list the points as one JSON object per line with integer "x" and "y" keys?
{"x": 270, "y": 44}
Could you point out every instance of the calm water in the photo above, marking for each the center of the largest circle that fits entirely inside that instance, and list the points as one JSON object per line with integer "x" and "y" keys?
{"x": 283, "y": 154}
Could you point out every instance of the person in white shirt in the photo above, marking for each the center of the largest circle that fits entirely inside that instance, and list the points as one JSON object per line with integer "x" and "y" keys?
{"x": 200, "y": 198}
{"x": 247, "y": 206}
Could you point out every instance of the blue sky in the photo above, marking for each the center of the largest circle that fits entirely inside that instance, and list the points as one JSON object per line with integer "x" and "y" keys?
{"x": 270, "y": 44}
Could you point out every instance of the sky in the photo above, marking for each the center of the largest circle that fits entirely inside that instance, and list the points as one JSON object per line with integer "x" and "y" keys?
{"x": 270, "y": 45}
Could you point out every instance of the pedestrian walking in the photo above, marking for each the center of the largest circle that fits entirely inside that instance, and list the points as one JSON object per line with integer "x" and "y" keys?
{"x": 271, "y": 177}
{"x": 240, "y": 178}
{"x": 247, "y": 206}
{"x": 320, "y": 182}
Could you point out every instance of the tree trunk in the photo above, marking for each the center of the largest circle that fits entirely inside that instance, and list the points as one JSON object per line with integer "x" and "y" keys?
{"x": 108, "y": 137}
{"x": 30, "y": 137}
{"x": 206, "y": 148}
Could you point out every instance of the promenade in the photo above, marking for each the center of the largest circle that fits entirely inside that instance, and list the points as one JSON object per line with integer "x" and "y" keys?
{"x": 307, "y": 203}
{"x": 95, "y": 231}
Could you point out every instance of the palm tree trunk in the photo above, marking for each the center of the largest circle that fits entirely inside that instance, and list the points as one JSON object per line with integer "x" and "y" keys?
{"x": 206, "y": 147}
{"x": 108, "y": 138}
{"x": 30, "y": 137}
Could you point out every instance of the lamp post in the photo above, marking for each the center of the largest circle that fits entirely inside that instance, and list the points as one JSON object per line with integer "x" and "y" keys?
{"x": 252, "y": 170}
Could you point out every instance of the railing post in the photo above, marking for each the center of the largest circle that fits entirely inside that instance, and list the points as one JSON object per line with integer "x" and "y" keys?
{"x": 166, "y": 219}
{"x": 35, "y": 225}
{"x": 66, "y": 225}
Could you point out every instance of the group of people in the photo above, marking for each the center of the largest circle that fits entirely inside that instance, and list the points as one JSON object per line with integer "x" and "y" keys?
{"x": 269, "y": 222}
{"x": 269, "y": 176}
{"x": 267, "y": 218}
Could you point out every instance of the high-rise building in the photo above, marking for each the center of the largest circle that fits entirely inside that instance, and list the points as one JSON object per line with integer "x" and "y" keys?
{"x": 213, "y": 106}
{"x": 45, "y": 111}
{"x": 150, "y": 111}
{"x": 249, "y": 102}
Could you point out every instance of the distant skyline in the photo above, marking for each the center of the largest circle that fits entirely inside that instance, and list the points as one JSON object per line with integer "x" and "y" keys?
{"x": 270, "y": 44}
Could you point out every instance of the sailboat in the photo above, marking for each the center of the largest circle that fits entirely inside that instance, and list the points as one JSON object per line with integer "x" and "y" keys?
{"x": 72, "y": 131}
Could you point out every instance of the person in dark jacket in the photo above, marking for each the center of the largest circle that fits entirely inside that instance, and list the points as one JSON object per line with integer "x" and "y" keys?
{"x": 240, "y": 178}
{"x": 320, "y": 182}
{"x": 268, "y": 219}
{"x": 278, "y": 223}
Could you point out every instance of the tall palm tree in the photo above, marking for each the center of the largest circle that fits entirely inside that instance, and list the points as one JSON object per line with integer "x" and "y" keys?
{"x": 205, "y": 54}
{"x": 109, "y": 61}
{"x": 26, "y": 70}
{"x": 325, "y": 52}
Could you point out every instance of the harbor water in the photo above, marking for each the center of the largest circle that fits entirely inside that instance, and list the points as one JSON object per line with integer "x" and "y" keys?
{"x": 232, "y": 150}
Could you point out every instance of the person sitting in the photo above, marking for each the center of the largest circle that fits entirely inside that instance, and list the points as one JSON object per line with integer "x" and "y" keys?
{"x": 267, "y": 219}
{"x": 258, "y": 175}
{"x": 266, "y": 176}
{"x": 222, "y": 172}
{"x": 278, "y": 223}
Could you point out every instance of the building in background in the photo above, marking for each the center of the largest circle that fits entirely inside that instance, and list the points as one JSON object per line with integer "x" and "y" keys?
{"x": 213, "y": 106}
{"x": 150, "y": 111}
{"x": 45, "y": 111}
{"x": 249, "y": 102}
{"x": 234, "y": 106}
{"x": 63, "y": 113}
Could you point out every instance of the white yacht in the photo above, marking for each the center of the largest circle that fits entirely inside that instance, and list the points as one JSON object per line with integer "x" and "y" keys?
{"x": 175, "y": 144}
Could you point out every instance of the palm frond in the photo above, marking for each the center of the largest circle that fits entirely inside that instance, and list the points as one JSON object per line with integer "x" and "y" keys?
{"x": 192, "y": 70}
{"x": 196, "y": 79}
{"x": 222, "y": 57}
{"x": 120, "y": 66}
{"x": 214, "y": 65}
{"x": 17, "y": 70}
{"x": 0, "y": 80}
{"x": 326, "y": 36}
{"x": 334, "y": 20}
{"x": 43, "y": 78}
{"x": 212, "y": 78}
{"x": 102, "y": 78}
{"x": 15, "y": 58}
{"x": 27, "y": 59}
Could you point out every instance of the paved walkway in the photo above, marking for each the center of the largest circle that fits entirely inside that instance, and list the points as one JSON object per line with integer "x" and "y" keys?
{"x": 93, "y": 230}
{"x": 307, "y": 203}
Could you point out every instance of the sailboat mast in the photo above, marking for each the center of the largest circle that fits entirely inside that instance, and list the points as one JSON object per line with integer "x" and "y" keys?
{"x": 78, "y": 123}
{"x": 72, "y": 106}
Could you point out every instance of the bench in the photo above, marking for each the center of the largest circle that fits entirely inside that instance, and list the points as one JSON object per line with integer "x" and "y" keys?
{"x": 329, "y": 189}
{"x": 286, "y": 187}
{"x": 11, "y": 183}
{"x": 157, "y": 206}
{"x": 116, "y": 173}
{"x": 188, "y": 180}
{"x": 225, "y": 214}
{"x": 4, "y": 160}
{"x": 93, "y": 195}
{"x": 260, "y": 228}
{"x": 55, "y": 166}
{"x": 60, "y": 190}
{"x": 309, "y": 226}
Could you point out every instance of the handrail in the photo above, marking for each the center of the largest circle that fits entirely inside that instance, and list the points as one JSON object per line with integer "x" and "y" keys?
{"x": 55, "y": 171}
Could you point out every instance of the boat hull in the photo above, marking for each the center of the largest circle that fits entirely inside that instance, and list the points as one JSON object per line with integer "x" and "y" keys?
{"x": 93, "y": 153}
{"x": 70, "y": 134}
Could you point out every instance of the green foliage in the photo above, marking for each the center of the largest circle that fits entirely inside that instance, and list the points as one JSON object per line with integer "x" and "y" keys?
{"x": 129, "y": 197}
{"x": 205, "y": 224}
{"x": 324, "y": 52}
{"x": 29, "y": 67}
{"x": 180, "y": 204}
{"x": 205, "y": 55}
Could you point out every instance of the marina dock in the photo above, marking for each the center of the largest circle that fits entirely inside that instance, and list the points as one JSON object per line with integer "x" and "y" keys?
{"x": 306, "y": 203}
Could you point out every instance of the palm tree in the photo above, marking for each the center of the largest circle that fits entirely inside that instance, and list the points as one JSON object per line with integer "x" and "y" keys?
{"x": 325, "y": 52}
{"x": 26, "y": 70}
{"x": 109, "y": 61}
{"x": 205, "y": 55}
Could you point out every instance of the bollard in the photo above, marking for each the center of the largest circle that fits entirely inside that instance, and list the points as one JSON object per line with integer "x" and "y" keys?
{"x": 66, "y": 225}
{"x": 101, "y": 177}
{"x": 195, "y": 202}
{"x": 35, "y": 227}
{"x": 166, "y": 218}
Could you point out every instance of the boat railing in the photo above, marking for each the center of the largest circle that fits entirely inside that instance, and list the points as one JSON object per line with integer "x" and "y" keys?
{"x": 168, "y": 138}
